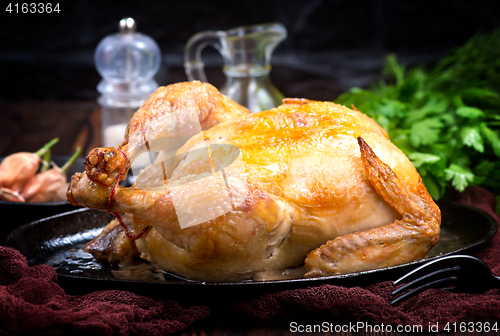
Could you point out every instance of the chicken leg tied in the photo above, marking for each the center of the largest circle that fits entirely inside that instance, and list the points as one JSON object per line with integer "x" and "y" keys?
{"x": 170, "y": 116}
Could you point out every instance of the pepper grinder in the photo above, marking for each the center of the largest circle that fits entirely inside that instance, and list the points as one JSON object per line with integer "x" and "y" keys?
{"x": 127, "y": 62}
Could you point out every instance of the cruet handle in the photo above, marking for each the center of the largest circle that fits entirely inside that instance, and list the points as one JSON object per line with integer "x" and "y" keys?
{"x": 192, "y": 53}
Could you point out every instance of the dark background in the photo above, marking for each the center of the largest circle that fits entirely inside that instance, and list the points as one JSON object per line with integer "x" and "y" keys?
{"x": 331, "y": 45}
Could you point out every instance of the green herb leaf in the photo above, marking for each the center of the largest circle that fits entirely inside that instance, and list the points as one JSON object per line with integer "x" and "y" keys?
{"x": 457, "y": 101}
{"x": 393, "y": 68}
{"x": 492, "y": 137}
{"x": 419, "y": 159}
{"x": 425, "y": 132}
{"x": 472, "y": 138}
{"x": 484, "y": 168}
{"x": 435, "y": 104}
{"x": 460, "y": 177}
{"x": 480, "y": 93}
{"x": 469, "y": 112}
{"x": 390, "y": 108}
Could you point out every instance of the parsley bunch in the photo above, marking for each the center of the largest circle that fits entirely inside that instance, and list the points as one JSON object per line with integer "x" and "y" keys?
{"x": 447, "y": 119}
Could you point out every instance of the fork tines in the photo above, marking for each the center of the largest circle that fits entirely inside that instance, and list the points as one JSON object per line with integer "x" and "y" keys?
{"x": 439, "y": 273}
{"x": 431, "y": 280}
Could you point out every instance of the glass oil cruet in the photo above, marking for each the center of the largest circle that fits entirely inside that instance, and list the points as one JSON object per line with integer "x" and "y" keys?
{"x": 247, "y": 52}
{"x": 127, "y": 62}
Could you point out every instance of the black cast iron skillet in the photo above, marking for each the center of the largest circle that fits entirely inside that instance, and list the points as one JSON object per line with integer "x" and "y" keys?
{"x": 57, "y": 241}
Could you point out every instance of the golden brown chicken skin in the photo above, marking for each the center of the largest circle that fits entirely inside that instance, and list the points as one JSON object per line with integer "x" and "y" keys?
{"x": 314, "y": 184}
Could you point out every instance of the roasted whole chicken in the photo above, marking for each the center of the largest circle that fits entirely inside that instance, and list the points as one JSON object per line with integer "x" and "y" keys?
{"x": 309, "y": 186}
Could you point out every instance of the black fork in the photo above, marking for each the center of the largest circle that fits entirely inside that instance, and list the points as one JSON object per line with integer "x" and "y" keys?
{"x": 460, "y": 273}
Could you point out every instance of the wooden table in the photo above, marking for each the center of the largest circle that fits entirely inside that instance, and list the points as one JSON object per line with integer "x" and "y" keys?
{"x": 27, "y": 126}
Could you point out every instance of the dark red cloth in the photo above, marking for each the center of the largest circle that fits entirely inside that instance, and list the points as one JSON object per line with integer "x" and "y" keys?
{"x": 32, "y": 303}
